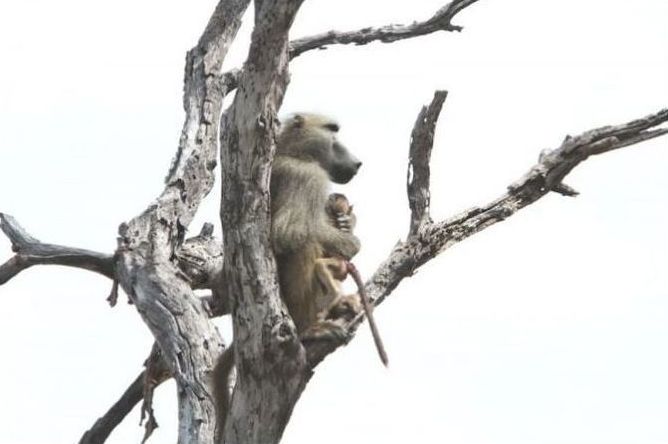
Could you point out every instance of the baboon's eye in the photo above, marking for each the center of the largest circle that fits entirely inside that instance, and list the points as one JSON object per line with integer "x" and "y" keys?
{"x": 333, "y": 127}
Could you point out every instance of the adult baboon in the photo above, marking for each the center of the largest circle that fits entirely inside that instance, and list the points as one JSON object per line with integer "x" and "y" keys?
{"x": 308, "y": 158}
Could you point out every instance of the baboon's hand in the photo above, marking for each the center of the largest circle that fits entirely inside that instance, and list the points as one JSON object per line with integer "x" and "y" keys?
{"x": 342, "y": 244}
{"x": 344, "y": 307}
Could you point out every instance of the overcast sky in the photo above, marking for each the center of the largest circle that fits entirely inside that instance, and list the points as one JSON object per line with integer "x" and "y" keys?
{"x": 549, "y": 328}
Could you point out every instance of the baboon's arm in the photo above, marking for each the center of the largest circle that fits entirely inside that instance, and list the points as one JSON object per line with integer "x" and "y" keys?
{"x": 337, "y": 242}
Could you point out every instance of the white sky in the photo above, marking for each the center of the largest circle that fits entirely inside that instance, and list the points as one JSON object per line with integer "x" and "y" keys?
{"x": 549, "y": 328}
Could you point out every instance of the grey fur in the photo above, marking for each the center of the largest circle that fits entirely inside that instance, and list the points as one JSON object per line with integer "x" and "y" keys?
{"x": 308, "y": 158}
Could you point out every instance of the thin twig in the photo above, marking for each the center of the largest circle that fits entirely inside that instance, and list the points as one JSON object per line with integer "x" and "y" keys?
{"x": 103, "y": 427}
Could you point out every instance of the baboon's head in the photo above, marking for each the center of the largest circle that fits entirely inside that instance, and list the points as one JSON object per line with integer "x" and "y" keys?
{"x": 312, "y": 137}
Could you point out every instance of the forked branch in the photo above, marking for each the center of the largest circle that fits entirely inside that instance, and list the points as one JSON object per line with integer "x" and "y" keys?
{"x": 547, "y": 175}
{"x": 30, "y": 251}
{"x": 148, "y": 244}
{"x": 142, "y": 387}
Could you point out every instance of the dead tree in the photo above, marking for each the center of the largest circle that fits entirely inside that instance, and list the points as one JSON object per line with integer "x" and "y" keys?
{"x": 159, "y": 269}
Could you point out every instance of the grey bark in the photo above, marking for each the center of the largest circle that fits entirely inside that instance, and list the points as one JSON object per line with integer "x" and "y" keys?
{"x": 146, "y": 267}
{"x": 270, "y": 360}
{"x": 30, "y": 251}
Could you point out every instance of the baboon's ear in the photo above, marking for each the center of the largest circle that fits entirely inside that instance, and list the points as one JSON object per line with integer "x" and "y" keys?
{"x": 298, "y": 121}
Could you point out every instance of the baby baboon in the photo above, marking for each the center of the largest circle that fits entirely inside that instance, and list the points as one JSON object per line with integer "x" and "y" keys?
{"x": 332, "y": 269}
{"x": 308, "y": 158}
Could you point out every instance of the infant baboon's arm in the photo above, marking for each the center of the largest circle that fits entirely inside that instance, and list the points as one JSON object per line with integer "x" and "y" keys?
{"x": 332, "y": 269}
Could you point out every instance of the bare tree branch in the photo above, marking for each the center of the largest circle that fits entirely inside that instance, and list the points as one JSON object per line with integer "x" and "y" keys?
{"x": 200, "y": 258}
{"x": 30, "y": 251}
{"x": 440, "y": 21}
{"x": 103, "y": 427}
{"x": 156, "y": 373}
{"x": 147, "y": 244}
{"x": 100, "y": 431}
{"x": 204, "y": 89}
{"x": 419, "y": 155}
{"x": 547, "y": 175}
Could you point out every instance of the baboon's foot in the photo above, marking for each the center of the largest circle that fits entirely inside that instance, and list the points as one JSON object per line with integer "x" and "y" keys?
{"x": 326, "y": 330}
{"x": 344, "y": 307}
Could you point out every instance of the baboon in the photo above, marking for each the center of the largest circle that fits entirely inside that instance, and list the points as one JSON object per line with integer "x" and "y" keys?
{"x": 331, "y": 270}
{"x": 308, "y": 158}
{"x": 311, "y": 235}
